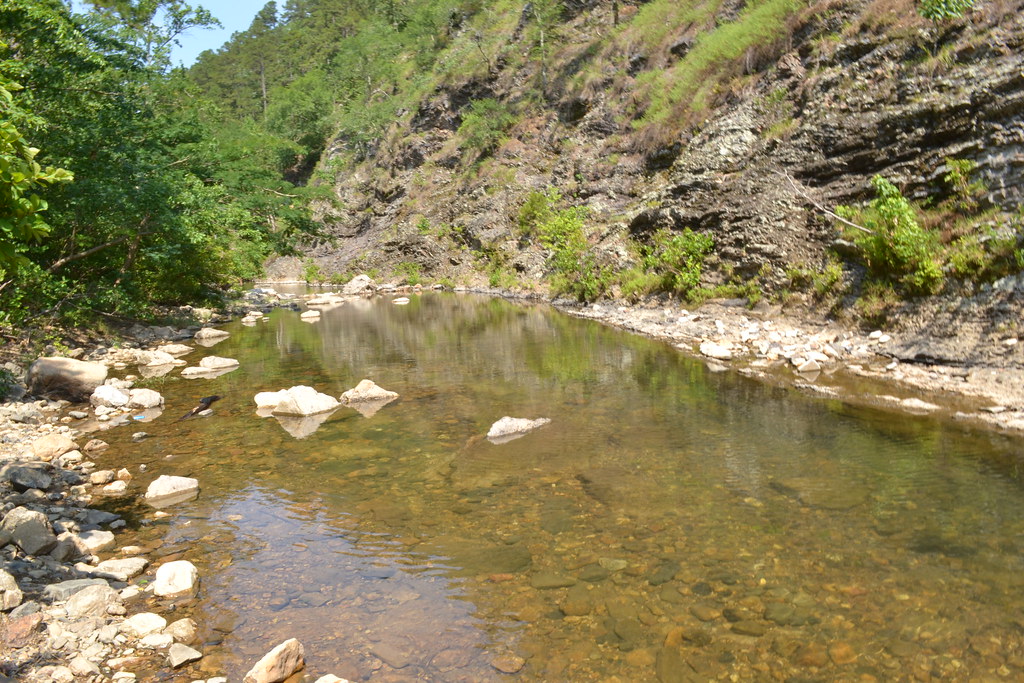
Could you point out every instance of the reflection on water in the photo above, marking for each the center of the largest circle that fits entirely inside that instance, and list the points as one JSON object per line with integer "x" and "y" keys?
{"x": 668, "y": 524}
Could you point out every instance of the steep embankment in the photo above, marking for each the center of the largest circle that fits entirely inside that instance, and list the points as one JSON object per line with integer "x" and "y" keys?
{"x": 741, "y": 121}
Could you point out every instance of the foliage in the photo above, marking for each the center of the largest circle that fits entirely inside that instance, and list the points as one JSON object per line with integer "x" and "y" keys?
{"x": 311, "y": 272}
{"x": 897, "y": 249}
{"x": 20, "y": 178}
{"x": 484, "y": 125}
{"x": 7, "y": 382}
{"x": 821, "y": 281}
{"x": 942, "y": 10}
{"x": 536, "y": 209}
{"x": 965, "y": 190}
{"x": 410, "y": 272}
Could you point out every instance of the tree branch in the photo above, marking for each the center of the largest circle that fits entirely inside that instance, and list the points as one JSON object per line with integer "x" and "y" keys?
{"x": 819, "y": 207}
{"x": 89, "y": 252}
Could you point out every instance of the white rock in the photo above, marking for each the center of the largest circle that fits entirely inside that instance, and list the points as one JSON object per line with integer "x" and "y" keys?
{"x": 917, "y": 405}
{"x": 875, "y": 335}
{"x": 156, "y": 641}
{"x": 158, "y": 358}
{"x": 217, "y": 363}
{"x": 400, "y": 301}
{"x": 176, "y": 578}
{"x": 144, "y": 398}
{"x": 115, "y": 488}
{"x": 508, "y": 428}
{"x": 278, "y": 664}
{"x": 142, "y": 624}
{"x": 809, "y": 366}
{"x": 108, "y": 397}
{"x": 10, "y": 594}
{"x": 358, "y": 285}
{"x": 119, "y": 570}
{"x": 716, "y": 351}
{"x": 182, "y": 630}
{"x": 175, "y": 349}
{"x": 331, "y": 678}
{"x": 303, "y": 400}
{"x": 52, "y": 446}
{"x": 366, "y": 390}
{"x": 180, "y": 655}
{"x": 96, "y": 541}
{"x": 168, "y": 490}
{"x": 270, "y": 399}
{"x": 91, "y": 601}
{"x": 310, "y": 315}
{"x": 210, "y": 333}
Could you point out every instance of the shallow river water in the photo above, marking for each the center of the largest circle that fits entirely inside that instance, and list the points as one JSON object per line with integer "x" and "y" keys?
{"x": 670, "y": 523}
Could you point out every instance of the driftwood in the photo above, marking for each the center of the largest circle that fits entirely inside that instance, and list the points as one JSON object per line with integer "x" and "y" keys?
{"x": 819, "y": 207}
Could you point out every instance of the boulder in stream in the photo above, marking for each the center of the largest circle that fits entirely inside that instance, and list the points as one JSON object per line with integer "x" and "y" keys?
{"x": 65, "y": 377}
{"x": 278, "y": 664}
{"x": 301, "y": 401}
{"x": 167, "y": 490}
{"x": 508, "y": 428}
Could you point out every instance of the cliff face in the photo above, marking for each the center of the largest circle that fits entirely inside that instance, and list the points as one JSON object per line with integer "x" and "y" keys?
{"x": 850, "y": 90}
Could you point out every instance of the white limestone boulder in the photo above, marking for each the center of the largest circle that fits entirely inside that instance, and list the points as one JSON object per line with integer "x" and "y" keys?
{"x": 175, "y": 579}
{"x": 358, "y": 285}
{"x": 144, "y": 398}
{"x": 217, "y": 363}
{"x": 303, "y": 400}
{"x": 167, "y": 490}
{"x": 367, "y": 390}
{"x": 108, "y": 396}
{"x": 52, "y": 446}
{"x": 208, "y": 333}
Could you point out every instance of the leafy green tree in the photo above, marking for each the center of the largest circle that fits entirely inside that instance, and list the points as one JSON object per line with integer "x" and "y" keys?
{"x": 944, "y": 10}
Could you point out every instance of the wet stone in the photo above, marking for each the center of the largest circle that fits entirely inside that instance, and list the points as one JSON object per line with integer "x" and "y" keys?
{"x": 631, "y": 632}
{"x": 594, "y": 573}
{"x": 701, "y": 588}
{"x": 749, "y": 628}
{"x": 577, "y": 602}
{"x": 508, "y": 664}
{"x": 390, "y": 655}
{"x": 549, "y": 580}
{"x": 663, "y": 573}
{"x": 705, "y": 612}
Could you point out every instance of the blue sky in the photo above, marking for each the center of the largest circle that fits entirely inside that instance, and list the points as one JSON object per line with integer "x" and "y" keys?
{"x": 235, "y": 15}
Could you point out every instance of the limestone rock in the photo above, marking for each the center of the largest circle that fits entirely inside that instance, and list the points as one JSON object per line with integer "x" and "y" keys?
{"x": 65, "y": 377}
{"x": 182, "y": 630}
{"x": 278, "y": 664}
{"x": 92, "y": 601}
{"x": 60, "y": 592}
{"x": 52, "y": 446}
{"x": 30, "y": 530}
{"x": 302, "y": 400}
{"x": 211, "y": 333}
{"x": 179, "y": 655}
{"x": 508, "y": 428}
{"x": 270, "y": 399}
{"x": 142, "y": 624}
{"x": 10, "y": 593}
{"x": 144, "y": 398}
{"x": 366, "y": 390}
{"x": 109, "y": 397}
{"x": 310, "y": 315}
{"x": 357, "y": 285}
{"x": 217, "y": 363}
{"x": 119, "y": 570}
{"x": 175, "y": 350}
{"x": 716, "y": 351}
{"x": 176, "y": 579}
{"x": 168, "y": 490}
{"x": 96, "y": 541}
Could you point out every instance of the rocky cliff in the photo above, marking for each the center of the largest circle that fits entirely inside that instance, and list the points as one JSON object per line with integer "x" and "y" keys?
{"x": 770, "y": 143}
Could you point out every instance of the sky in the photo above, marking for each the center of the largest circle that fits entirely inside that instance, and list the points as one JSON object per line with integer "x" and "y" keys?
{"x": 235, "y": 15}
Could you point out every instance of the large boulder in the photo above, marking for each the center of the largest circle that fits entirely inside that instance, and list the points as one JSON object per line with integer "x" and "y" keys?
{"x": 25, "y": 477}
{"x": 109, "y": 397}
{"x": 210, "y": 333}
{"x": 142, "y": 624}
{"x": 175, "y": 579}
{"x": 302, "y": 400}
{"x": 278, "y": 664}
{"x": 52, "y": 446}
{"x": 168, "y": 490}
{"x": 122, "y": 569}
{"x": 217, "y": 363}
{"x": 92, "y": 601}
{"x": 30, "y": 530}
{"x": 67, "y": 378}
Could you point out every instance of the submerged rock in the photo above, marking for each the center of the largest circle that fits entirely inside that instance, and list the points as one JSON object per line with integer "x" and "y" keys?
{"x": 208, "y": 333}
{"x": 174, "y": 579}
{"x": 508, "y": 428}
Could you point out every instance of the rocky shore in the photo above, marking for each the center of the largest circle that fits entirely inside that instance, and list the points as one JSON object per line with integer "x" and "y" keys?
{"x": 77, "y": 604}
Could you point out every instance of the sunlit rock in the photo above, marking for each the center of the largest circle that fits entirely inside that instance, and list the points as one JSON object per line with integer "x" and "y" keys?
{"x": 142, "y": 624}
{"x": 144, "y": 398}
{"x": 65, "y": 377}
{"x": 208, "y": 333}
{"x": 278, "y": 664}
{"x": 366, "y": 390}
{"x": 168, "y": 490}
{"x": 400, "y": 301}
{"x": 310, "y": 316}
{"x": 358, "y": 285}
{"x": 109, "y": 397}
{"x": 52, "y": 446}
{"x": 217, "y": 363}
{"x": 716, "y": 351}
{"x": 270, "y": 399}
{"x": 175, "y": 579}
{"x": 30, "y": 530}
{"x": 508, "y": 428}
{"x": 175, "y": 350}
{"x": 303, "y": 400}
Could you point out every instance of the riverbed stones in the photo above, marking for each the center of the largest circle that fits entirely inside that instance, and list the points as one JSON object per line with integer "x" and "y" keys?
{"x": 144, "y": 398}
{"x": 508, "y": 428}
{"x": 65, "y": 377}
{"x": 51, "y": 446}
{"x": 167, "y": 490}
{"x": 10, "y": 593}
{"x": 118, "y": 569}
{"x": 182, "y": 630}
{"x": 176, "y": 579}
{"x": 715, "y": 350}
{"x": 30, "y": 530}
{"x": 278, "y": 664}
{"x": 303, "y": 400}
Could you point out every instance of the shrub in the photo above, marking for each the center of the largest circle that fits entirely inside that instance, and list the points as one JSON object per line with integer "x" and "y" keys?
{"x": 410, "y": 271}
{"x": 311, "y": 271}
{"x": 484, "y": 126}
{"x": 941, "y": 10}
{"x": 897, "y": 249}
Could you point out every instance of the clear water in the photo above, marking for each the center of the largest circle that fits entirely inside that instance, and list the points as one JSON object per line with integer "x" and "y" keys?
{"x": 670, "y": 523}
